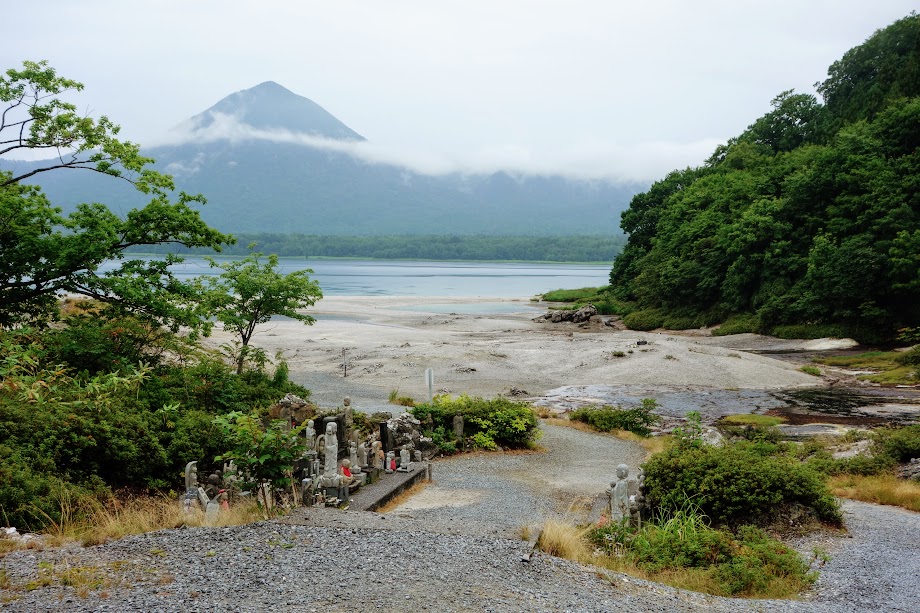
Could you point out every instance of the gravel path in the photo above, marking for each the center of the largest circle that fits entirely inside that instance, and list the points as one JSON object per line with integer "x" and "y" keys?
{"x": 499, "y": 494}
{"x": 439, "y": 557}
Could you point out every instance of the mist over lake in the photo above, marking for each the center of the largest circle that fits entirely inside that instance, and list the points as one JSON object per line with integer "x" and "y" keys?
{"x": 421, "y": 278}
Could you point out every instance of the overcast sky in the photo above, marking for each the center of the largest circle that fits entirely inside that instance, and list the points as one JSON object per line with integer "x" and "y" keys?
{"x": 600, "y": 88}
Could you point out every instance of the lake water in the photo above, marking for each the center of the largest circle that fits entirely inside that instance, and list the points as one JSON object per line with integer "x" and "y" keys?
{"x": 412, "y": 278}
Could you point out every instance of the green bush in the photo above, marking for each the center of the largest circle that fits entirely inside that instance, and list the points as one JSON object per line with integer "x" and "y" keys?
{"x": 647, "y": 319}
{"x": 909, "y": 358}
{"x": 899, "y": 444}
{"x": 738, "y": 483}
{"x": 606, "y": 418}
{"x": 738, "y": 324}
{"x": 743, "y": 563}
{"x": 488, "y": 424}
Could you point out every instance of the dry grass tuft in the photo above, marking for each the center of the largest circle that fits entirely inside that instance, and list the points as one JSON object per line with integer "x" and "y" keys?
{"x": 651, "y": 444}
{"x": 565, "y": 540}
{"x": 403, "y": 496}
{"x": 91, "y": 522}
{"x": 878, "y": 489}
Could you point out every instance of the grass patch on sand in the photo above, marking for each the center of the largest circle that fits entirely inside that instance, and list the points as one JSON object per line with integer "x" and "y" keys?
{"x": 752, "y": 419}
{"x": 893, "y": 367}
{"x": 878, "y": 489}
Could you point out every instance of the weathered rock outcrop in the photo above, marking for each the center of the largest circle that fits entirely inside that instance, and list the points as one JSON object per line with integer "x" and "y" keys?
{"x": 581, "y": 315}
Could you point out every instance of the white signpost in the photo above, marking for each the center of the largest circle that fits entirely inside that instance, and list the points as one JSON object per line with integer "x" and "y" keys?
{"x": 429, "y": 381}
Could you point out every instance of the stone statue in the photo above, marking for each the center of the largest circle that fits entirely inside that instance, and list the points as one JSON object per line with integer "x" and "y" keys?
{"x": 331, "y": 450}
{"x": 378, "y": 456}
{"x": 362, "y": 455}
{"x": 330, "y": 477}
{"x": 345, "y": 472}
{"x": 353, "y": 458}
{"x": 619, "y": 495}
{"x": 417, "y": 456}
{"x": 405, "y": 460}
{"x": 390, "y": 464}
{"x": 637, "y": 499}
{"x": 458, "y": 427}
{"x": 191, "y": 476}
{"x": 310, "y": 434}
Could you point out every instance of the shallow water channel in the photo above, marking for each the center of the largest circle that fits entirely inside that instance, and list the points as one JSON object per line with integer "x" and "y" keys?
{"x": 845, "y": 406}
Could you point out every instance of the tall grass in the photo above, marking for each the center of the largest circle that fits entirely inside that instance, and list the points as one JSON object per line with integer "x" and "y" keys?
{"x": 878, "y": 489}
{"x": 92, "y": 522}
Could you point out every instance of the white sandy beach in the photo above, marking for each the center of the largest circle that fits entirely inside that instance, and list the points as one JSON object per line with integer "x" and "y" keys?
{"x": 389, "y": 341}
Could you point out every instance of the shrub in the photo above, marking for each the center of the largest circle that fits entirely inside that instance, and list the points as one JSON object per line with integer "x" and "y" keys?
{"x": 638, "y": 420}
{"x": 747, "y": 562}
{"x": 814, "y": 371}
{"x": 737, "y": 483}
{"x": 899, "y": 444}
{"x": 738, "y": 324}
{"x": 488, "y": 424}
{"x": 644, "y": 320}
{"x": 909, "y": 358}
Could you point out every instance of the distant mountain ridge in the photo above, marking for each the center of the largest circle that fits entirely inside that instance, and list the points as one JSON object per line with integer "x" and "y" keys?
{"x": 270, "y": 106}
{"x": 254, "y": 155}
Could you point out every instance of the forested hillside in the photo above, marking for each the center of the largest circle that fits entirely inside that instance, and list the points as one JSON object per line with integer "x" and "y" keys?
{"x": 421, "y": 247}
{"x": 810, "y": 216}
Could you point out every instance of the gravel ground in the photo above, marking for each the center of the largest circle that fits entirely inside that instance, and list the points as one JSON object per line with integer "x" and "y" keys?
{"x": 499, "y": 494}
{"x": 456, "y": 552}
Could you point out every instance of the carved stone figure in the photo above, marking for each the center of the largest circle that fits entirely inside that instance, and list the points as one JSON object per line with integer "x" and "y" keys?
{"x": 353, "y": 457}
{"x": 362, "y": 455}
{"x": 619, "y": 495}
{"x": 330, "y": 477}
{"x": 405, "y": 459}
{"x": 390, "y": 462}
{"x": 330, "y": 450}
{"x": 310, "y": 434}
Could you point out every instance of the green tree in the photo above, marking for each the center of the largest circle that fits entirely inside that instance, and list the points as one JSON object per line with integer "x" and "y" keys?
{"x": 265, "y": 453}
{"x": 250, "y": 291}
{"x": 46, "y": 253}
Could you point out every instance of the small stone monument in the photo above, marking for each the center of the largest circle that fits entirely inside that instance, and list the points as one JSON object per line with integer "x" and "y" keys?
{"x": 379, "y": 458}
{"x": 191, "y": 487}
{"x": 330, "y": 477}
{"x": 619, "y": 495}
{"x": 353, "y": 461}
{"x": 405, "y": 460}
{"x": 390, "y": 462}
{"x": 417, "y": 456}
{"x": 362, "y": 456}
{"x": 458, "y": 427}
{"x": 310, "y": 434}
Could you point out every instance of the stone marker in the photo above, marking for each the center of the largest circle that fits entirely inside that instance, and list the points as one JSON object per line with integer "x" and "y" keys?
{"x": 390, "y": 462}
{"x": 310, "y": 434}
{"x": 619, "y": 495}
{"x": 458, "y": 427}
{"x": 405, "y": 460}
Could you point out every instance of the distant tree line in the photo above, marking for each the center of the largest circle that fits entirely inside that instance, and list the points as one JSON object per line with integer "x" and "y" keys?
{"x": 430, "y": 247}
{"x": 810, "y": 216}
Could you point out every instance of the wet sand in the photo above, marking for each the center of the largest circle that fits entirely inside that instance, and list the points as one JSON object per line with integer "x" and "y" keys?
{"x": 490, "y": 346}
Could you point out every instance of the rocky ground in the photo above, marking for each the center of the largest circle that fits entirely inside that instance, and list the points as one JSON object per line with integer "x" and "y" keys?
{"x": 453, "y": 547}
{"x": 456, "y": 546}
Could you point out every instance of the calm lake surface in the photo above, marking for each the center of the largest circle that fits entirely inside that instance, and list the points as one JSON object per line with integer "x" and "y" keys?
{"x": 404, "y": 278}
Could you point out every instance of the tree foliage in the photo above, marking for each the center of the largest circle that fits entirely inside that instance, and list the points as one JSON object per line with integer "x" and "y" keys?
{"x": 811, "y": 216}
{"x": 250, "y": 291}
{"x": 46, "y": 253}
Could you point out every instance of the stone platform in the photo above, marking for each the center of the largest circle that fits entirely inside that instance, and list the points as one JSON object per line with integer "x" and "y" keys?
{"x": 372, "y": 497}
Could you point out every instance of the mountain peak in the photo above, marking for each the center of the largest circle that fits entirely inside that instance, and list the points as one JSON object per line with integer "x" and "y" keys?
{"x": 271, "y": 106}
